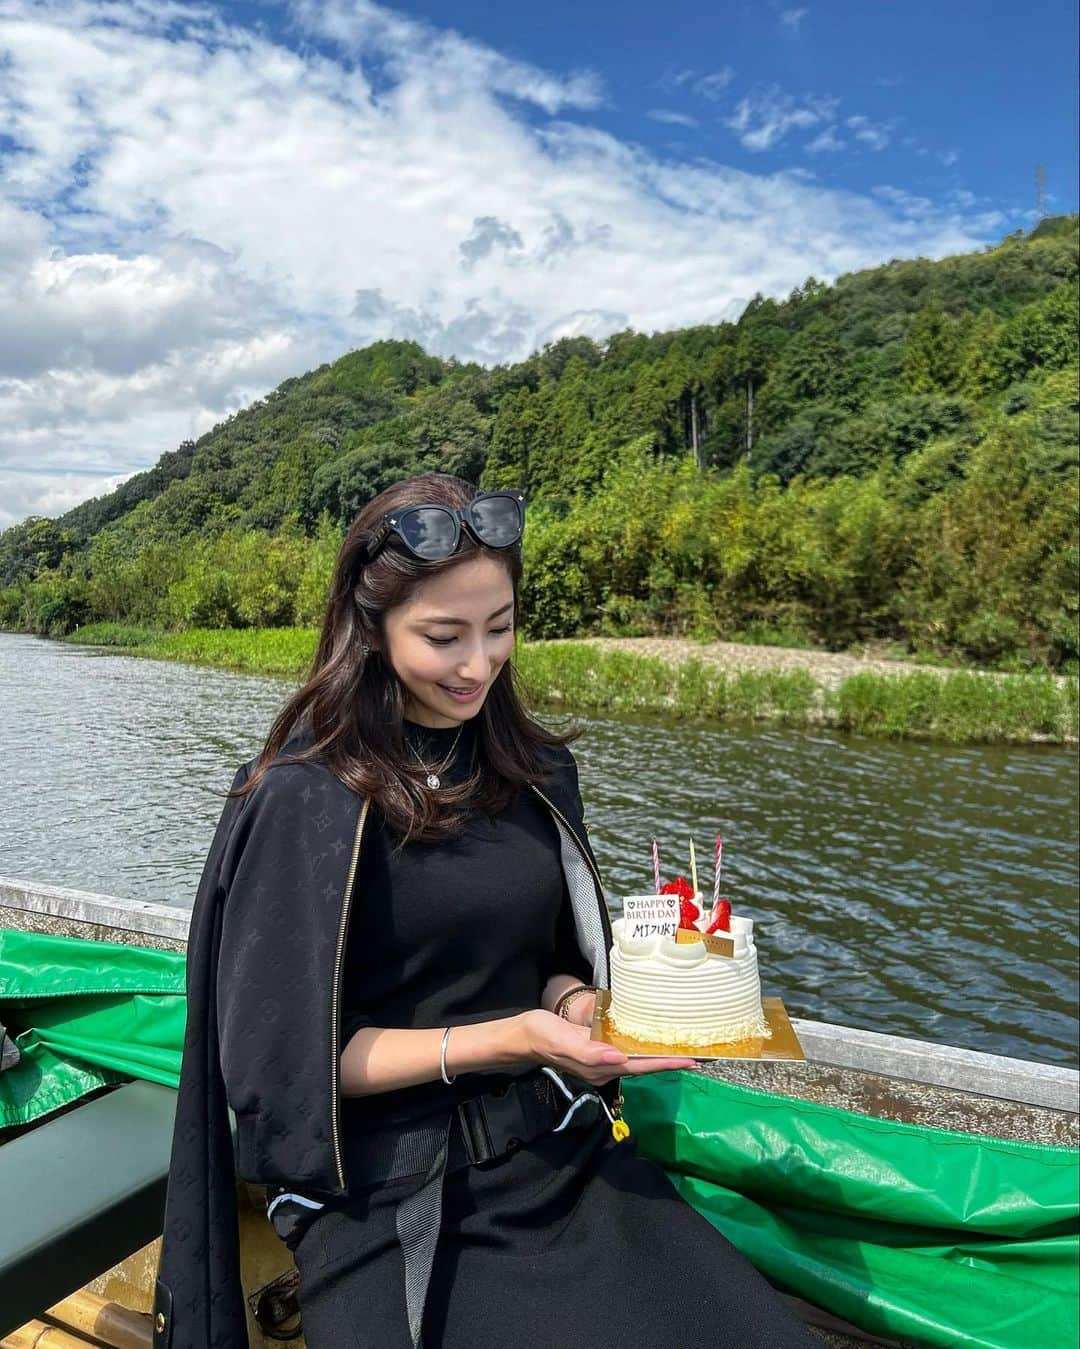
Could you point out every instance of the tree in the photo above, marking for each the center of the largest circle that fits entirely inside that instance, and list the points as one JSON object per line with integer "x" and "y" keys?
{"x": 511, "y": 440}
{"x": 35, "y": 545}
{"x": 450, "y": 435}
{"x": 814, "y": 368}
{"x": 978, "y": 371}
{"x": 932, "y": 352}
{"x": 1041, "y": 336}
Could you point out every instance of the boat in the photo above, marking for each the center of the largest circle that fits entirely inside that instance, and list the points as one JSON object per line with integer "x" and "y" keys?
{"x": 84, "y": 1151}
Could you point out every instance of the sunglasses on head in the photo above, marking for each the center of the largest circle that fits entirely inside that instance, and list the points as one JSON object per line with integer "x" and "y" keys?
{"x": 431, "y": 533}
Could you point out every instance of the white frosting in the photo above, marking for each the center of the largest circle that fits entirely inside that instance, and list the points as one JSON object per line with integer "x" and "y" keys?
{"x": 678, "y": 993}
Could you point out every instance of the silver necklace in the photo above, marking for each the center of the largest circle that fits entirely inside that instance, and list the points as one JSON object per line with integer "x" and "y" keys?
{"x": 433, "y": 779}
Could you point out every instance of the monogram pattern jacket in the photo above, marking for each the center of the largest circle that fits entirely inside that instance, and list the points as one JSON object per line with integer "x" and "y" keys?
{"x": 264, "y": 962}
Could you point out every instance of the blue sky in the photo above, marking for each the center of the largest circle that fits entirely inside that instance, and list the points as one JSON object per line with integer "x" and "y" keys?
{"x": 956, "y": 95}
{"x": 198, "y": 200}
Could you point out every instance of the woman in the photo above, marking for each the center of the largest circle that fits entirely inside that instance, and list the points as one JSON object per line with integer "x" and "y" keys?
{"x": 392, "y": 969}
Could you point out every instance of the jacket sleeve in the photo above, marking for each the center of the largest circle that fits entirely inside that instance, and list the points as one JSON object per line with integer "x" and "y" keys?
{"x": 569, "y": 769}
{"x": 198, "y": 1298}
{"x": 575, "y": 786}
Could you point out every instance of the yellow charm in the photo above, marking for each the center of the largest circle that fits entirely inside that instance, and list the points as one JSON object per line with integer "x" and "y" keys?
{"x": 620, "y": 1130}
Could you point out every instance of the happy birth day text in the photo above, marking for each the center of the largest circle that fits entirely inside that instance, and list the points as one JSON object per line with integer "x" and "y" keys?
{"x": 651, "y": 916}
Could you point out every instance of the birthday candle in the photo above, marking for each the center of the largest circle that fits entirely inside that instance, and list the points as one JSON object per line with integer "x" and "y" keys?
{"x": 693, "y": 867}
{"x": 716, "y": 869}
{"x": 656, "y": 865}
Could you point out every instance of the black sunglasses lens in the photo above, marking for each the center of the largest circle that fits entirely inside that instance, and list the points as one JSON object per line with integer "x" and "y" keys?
{"x": 429, "y": 531}
{"x": 497, "y": 520}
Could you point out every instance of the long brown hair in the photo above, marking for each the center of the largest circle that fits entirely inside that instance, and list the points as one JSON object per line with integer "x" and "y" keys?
{"x": 352, "y": 704}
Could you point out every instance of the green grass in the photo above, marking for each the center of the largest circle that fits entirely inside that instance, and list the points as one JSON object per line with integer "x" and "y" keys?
{"x": 113, "y": 634}
{"x": 585, "y": 679}
{"x": 957, "y": 708}
{"x": 272, "y": 651}
{"x": 960, "y": 708}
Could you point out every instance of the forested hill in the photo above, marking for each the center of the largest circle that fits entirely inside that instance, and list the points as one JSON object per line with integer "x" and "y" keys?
{"x": 893, "y": 456}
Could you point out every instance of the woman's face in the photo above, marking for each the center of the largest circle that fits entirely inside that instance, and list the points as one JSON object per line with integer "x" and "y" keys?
{"x": 450, "y": 639}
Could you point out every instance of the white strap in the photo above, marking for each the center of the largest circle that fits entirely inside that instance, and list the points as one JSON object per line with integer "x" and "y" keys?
{"x": 296, "y": 1198}
{"x": 575, "y": 1101}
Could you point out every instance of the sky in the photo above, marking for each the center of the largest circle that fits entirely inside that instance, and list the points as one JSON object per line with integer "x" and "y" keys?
{"x": 198, "y": 201}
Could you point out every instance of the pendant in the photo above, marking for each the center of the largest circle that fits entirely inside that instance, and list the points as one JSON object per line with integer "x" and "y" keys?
{"x": 433, "y": 781}
{"x": 619, "y": 1127}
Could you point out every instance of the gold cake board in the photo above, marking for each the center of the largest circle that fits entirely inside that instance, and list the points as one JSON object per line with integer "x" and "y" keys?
{"x": 782, "y": 1046}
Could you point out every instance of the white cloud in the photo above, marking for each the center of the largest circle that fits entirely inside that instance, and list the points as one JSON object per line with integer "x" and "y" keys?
{"x": 765, "y": 117}
{"x": 824, "y": 142}
{"x": 23, "y": 494}
{"x": 710, "y": 85}
{"x": 487, "y": 235}
{"x": 448, "y": 61}
{"x": 195, "y": 211}
{"x": 71, "y": 433}
{"x": 874, "y": 135}
{"x": 669, "y": 118}
{"x": 792, "y": 18}
{"x": 922, "y": 209}
{"x": 910, "y": 203}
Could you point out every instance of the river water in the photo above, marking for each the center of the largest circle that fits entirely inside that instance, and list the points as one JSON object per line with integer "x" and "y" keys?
{"x": 913, "y": 889}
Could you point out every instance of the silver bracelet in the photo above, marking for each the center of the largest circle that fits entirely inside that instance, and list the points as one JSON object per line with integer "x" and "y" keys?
{"x": 442, "y": 1059}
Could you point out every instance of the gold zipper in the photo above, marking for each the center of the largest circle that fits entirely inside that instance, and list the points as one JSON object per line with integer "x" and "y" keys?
{"x": 335, "y": 1030}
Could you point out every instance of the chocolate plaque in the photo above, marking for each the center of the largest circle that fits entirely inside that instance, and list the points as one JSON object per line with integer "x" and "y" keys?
{"x": 716, "y": 946}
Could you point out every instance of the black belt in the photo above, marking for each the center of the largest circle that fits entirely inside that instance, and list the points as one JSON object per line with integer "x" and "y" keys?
{"x": 478, "y": 1130}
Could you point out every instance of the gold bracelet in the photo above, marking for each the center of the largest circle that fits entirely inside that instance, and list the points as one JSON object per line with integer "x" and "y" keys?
{"x": 563, "y": 1002}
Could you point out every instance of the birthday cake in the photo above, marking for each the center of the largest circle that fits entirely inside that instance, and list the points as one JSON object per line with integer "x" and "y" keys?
{"x": 680, "y": 977}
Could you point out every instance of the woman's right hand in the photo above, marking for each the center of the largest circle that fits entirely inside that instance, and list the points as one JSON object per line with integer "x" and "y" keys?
{"x": 550, "y": 1039}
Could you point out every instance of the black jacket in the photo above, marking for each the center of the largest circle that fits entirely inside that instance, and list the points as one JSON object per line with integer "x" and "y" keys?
{"x": 264, "y": 963}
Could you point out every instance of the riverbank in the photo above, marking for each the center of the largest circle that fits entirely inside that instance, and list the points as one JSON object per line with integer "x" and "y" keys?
{"x": 717, "y": 682}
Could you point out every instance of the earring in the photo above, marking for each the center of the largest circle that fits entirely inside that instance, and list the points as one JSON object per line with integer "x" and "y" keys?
{"x": 365, "y": 649}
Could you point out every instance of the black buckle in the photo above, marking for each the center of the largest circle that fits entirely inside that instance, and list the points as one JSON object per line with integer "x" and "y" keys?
{"x": 499, "y": 1122}
{"x": 474, "y": 1131}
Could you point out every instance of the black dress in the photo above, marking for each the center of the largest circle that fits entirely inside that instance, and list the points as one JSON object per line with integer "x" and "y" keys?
{"x": 566, "y": 1243}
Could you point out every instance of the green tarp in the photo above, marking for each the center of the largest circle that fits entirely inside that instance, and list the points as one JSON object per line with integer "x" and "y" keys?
{"x": 928, "y": 1235}
{"x": 85, "y": 1014}
{"x": 924, "y": 1234}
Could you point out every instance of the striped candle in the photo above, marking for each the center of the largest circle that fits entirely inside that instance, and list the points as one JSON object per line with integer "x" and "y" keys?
{"x": 717, "y": 855}
{"x": 656, "y": 865}
{"x": 693, "y": 867}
